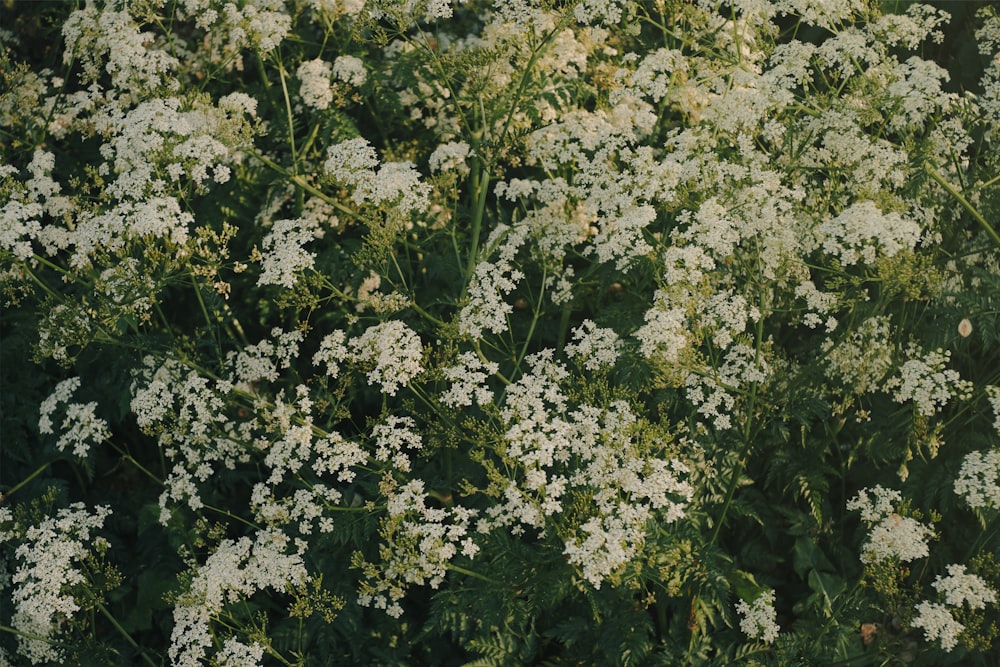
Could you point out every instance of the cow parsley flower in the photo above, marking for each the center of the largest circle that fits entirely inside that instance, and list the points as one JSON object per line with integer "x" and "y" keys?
{"x": 469, "y": 381}
{"x": 80, "y": 427}
{"x": 978, "y": 480}
{"x": 350, "y": 70}
{"x": 314, "y": 83}
{"x": 862, "y": 232}
{"x": 938, "y": 624}
{"x": 283, "y": 256}
{"x": 235, "y": 571}
{"x": 960, "y": 588}
{"x": 863, "y": 359}
{"x": 892, "y": 535}
{"x": 927, "y": 382}
{"x": 331, "y": 351}
{"x": 596, "y": 346}
{"x": 353, "y": 162}
{"x": 393, "y": 352}
{"x": 48, "y": 569}
{"x": 759, "y": 620}
{"x": 237, "y": 654}
{"x": 450, "y": 156}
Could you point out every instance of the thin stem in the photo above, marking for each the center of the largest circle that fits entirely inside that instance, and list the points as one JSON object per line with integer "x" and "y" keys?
{"x": 300, "y": 182}
{"x": 965, "y": 203}
{"x": 124, "y": 633}
{"x": 9, "y": 492}
{"x": 474, "y": 575}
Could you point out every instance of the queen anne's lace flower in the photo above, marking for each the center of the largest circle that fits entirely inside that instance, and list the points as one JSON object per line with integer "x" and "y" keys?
{"x": 49, "y": 558}
{"x": 759, "y": 620}
{"x": 927, "y": 382}
{"x": 283, "y": 256}
{"x": 80, "y": 428}
{"x": 892, "y": 535}
{"x": 978, "y": 480}
{"x": 314, "y": 80}
{"x": 393, "y": 352}
{"x": 938, "y": 624}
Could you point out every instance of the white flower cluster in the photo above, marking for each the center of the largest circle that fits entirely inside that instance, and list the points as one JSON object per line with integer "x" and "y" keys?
{"x": 450, "y": 156}
{"x": 862, "y": 360}
{"x": 297, "y": 454}
{"x": 393, "y": 437}
{"x": 314, "y": 83}
{"x": 927, "y": 382}
{"x": 263, "y": 360}
{"x": 988, "y": 37}
{"x": 354, "y": 161}
{"x": 491, "y": 281}
{"x": 892, "y": 535}
{"x": 666, "y": 332}
{"x": 48, "y": 557}
{"x": 993, "y": 395}
{"x": 715, "y": 391}
{"x": 978, "y": 480}
{"x": 350, "y": 70}
{"x": 862, "y": 232}
{"x": 332, "y": 351}
{"x": 187, "y": 414}
{"x": 80, "y": 427}
{"x": 759, "y": 620}
{"x": 283, "y": 256}
{"x": 558, "y": 456}
{"x": 394, "y": 352}
{"x": 596, "y": 346}
{"x": 234, "y": 653}
{"x": 420, "y": 542}
{"x": 173, "y": 138}
{"x": 107, "y": 40}
{"x": 958, "y": 588}
{"x": 236, "y": 570}
{"x": 469, "y": 381}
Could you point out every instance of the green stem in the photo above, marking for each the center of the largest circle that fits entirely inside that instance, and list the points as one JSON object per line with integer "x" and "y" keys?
{"x": 480, "y": 187}
{"x": 300, "y": 182}
{"x": 965, "y": 203}
{"x": 124, "y": 633}
{"x": 474, "y": 575}
{"x": 9, "y": 492}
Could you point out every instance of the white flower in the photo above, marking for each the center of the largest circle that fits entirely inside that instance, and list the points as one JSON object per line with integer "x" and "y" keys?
{"x": 469, "y": 378}
{"x": 899, "y": 537}
{"x": 892, "y": 535}
{"x": 395, "y": 352}
{"x": 236, "y": 654}
{"x": 596, "y": 346}
{"x": 978, "y": 480}
{"x": 314, "y": 83}
{"x": 961, "y": 588}
{"x": 450, "y": 156}
{"x": 283, "y": 256}
{"x": 350, "y": 70}
{"x": 236, "y": 570}
{"x": 927, "y": 382}
{"x": 80, "y": 428}
{"x": 938, "y": 623}
{"x": 862, "y": 232}
{"x": 862, "y": 360}
{"x": 759, "y": 619}
{"x": 354, "y": 161}
{"x": 48, "y": 569}
{"x": 331, "y": 351}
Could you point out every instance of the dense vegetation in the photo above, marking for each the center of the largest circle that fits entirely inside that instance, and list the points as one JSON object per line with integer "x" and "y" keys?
{"x": 419, "y": 332}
